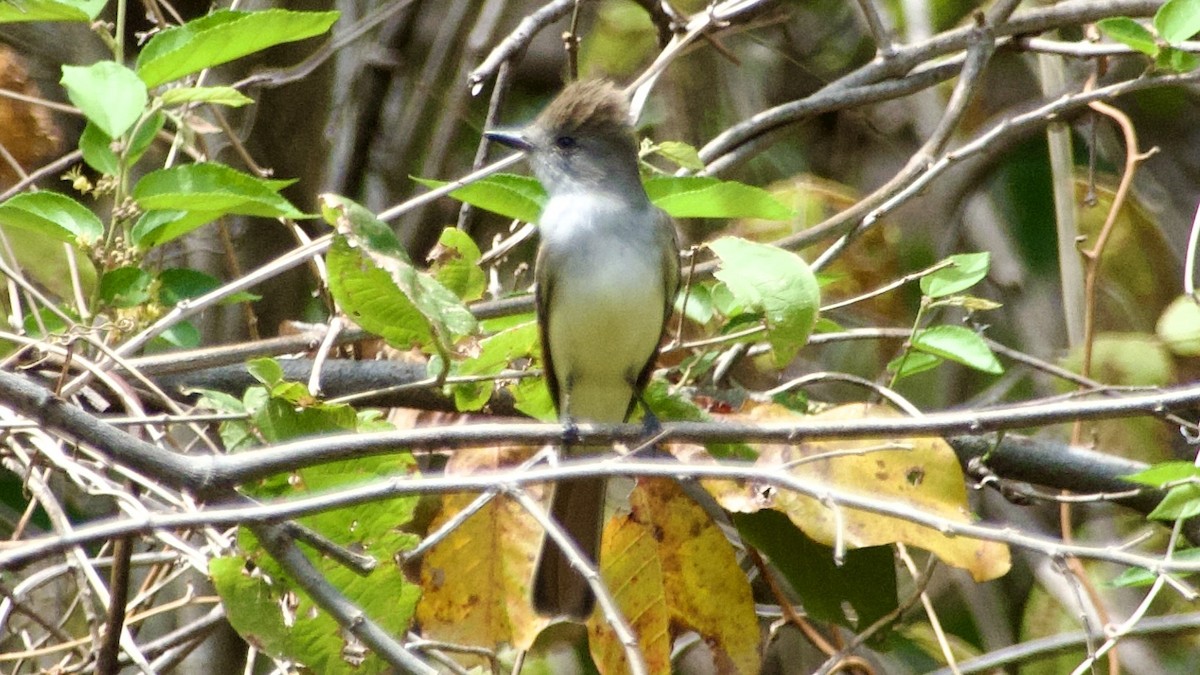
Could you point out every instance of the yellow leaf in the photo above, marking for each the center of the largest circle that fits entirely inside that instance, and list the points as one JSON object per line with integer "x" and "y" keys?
{"x": 476, "y": 580}
{"x": 920, "y": 472}
{"x": 733, "y": 495}
{"x": 630, "y": 568}
{"x": 699, "y": 577}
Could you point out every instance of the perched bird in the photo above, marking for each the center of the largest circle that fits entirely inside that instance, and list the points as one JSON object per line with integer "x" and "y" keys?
{"x": 605, "y": 280}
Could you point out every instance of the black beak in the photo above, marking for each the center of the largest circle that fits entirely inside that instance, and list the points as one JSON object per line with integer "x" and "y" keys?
{"x": 512, "y": 138}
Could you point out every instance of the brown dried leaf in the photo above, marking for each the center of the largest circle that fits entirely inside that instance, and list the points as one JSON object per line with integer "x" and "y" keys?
{"x": 27, "y": 131}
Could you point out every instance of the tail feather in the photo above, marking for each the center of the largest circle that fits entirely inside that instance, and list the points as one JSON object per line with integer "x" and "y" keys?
{"x": 558, "y": 588}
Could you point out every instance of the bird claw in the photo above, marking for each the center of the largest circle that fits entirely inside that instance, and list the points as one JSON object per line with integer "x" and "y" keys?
{"x": 570, "y": 432}
{"x": 651, "y": 429}
{"x": 650, "y": 424}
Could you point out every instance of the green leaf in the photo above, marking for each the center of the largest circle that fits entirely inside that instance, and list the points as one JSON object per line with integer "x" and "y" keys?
{"x": 704, "y": 197}
{"x": 966, "y": 270}
{"x": 390, "y": 298}
{"x": 512, "y": 196}
{"x": 215, "y": 95}
{"x": 776, "y": 282}
{"x": 52, "y": 215}
{"x": 277, "y": 614}
{"x": 265, "y": 370}
{"x": 1163, "y": 473}
{"x": 1181, "y": 501}
{"x": 13, "y": 11}
{"x": 53, "y": 322}
{"x": 683, "y": 155}
{"x": 1177, "y": 60}
{"x": 108, "y": 94}
{"x": 1137, "y": 576}
{"x": 181, "y": 199}
{"x": 456, "y": 265}
{"x": 181, "y": 283}
{"x": 1178, "y": 20}
{"x": 183, "y": 335}
{"x": 1130, "y": 33}
{"x": 669, "y": 404}
{"x": 221, "y": 37}
{"x": 250, "y": 602}
{"x": 827, "y": 325}
{"x": 495, "y": 354}
{"x": 125, "y": 287}
{"x": 448, "y": 316}
{"x": 865, "y": 581}
{"x": 213, "y": 187}
{"x": 1179, "y": 326}
{"x": 912, "y": 363}
{"x": 960, "y": 344}
{"x": 531, "y": 396}
{"x": 699, "y": 303}
{"x": 353, "y": 219}
{"x": 97, "y": 146}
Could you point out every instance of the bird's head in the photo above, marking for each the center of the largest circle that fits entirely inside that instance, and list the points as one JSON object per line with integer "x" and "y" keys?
{"x": 583, "y": 140}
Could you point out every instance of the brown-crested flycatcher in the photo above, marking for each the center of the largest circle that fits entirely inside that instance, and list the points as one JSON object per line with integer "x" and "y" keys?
{"x": 606, "y": 277}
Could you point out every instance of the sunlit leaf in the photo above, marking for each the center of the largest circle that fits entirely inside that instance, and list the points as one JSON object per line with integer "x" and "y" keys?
{"x": 476, "y": 580}
{"x": 1130, "y": 33}
{"x": 966, "y": 270}
{"x": 512, "y": 196}
{"x": 53, "y": 215}
{"x": 384, "y": 293}
{"x": 1165, "y": 472}
{"x": 455, "y": 263}
{"x": 960, "y": 344}
{"x": 262, "y": 602}
{"x": 1178, "y": 20}
{"x": 182, "y": 198}
{"x": 221, "y": 37}
{"x": 776, "y": 282}
{"x": 1179, "y": 326}
{"x": 1137, "y": 576}
{"x": 630, "y": 566}
{"x": 1181, "y": 501}
{"x": 13, "y": 11}
{"x": 921, "y": 472}
{"x": 683, "y": 155}
{"x": 495, "y": 353}
{"x": 109, "y": 95}
{"x": 706, "y": 197}
{"x": 705, "y": 589}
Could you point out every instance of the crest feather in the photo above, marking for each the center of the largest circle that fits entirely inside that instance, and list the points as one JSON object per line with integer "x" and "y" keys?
{"x": 589, "y": 106}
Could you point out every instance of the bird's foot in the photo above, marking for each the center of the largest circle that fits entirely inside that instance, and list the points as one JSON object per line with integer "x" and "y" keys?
{"x": 651, "y": 431}
{"x": 570, "y": 432}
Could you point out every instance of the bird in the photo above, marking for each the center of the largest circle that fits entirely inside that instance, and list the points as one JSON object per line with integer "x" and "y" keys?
{"x": 605, "y": 280}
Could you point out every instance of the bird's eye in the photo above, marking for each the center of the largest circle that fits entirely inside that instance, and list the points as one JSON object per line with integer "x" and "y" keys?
{"x": 565, "y": 142}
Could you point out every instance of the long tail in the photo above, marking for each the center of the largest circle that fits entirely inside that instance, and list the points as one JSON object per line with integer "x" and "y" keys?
{"x": 558, "y": 588}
